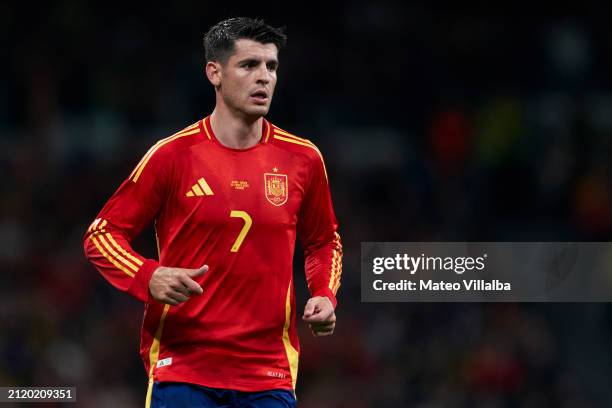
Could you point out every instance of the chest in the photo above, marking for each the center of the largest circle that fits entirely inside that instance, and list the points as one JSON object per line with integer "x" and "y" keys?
{"x": 210, "y": 187}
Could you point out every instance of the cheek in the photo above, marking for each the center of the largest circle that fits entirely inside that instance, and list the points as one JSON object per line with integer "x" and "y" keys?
{"x": 232, "y": 90}
{"x": 239, "y": 87}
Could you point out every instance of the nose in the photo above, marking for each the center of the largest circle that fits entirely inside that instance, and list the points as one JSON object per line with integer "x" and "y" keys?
{"x": 263, "y": 75}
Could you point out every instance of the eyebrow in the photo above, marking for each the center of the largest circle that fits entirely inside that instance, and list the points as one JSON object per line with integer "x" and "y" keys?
{"x": 250, "y": 60}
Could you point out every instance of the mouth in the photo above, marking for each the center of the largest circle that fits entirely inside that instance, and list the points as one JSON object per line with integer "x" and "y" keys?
{"x": 260, "y": 96}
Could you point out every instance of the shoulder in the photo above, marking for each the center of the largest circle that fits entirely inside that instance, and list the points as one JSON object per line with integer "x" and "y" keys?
{"x": 299, "y": 146}
{"x": 165, "y": 148}
{"x": 184, "y": 138}
{"x": 294, "y": 144}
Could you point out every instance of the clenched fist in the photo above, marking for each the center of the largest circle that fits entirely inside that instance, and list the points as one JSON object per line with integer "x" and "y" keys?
{"x": 320, "y": 316}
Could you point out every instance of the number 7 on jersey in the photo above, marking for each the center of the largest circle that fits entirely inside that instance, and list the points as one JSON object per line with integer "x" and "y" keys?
{"x": 245, "y": 228}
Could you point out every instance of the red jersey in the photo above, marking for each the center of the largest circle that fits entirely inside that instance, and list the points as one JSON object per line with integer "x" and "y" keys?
{"x": 238, "y": 211}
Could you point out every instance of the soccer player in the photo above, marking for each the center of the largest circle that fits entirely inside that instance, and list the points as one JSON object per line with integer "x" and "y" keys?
{"x": 228, "y": 195}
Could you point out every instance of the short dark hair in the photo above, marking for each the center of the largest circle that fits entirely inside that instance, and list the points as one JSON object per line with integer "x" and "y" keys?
{"x": 220, "y": 40}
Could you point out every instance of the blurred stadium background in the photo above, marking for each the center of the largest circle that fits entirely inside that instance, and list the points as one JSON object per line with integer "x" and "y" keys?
{"x": 438, "y": 122}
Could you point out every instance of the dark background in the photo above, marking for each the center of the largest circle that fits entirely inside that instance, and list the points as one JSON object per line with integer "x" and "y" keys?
{"x": 437, "y": 122}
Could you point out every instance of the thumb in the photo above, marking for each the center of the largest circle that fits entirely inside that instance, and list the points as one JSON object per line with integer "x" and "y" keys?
{"x": 309, "y": 309}
{"x": 192, "y": 273}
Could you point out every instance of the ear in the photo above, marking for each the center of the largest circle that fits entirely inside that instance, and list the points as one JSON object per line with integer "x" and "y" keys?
{"x": 213, "y": 73}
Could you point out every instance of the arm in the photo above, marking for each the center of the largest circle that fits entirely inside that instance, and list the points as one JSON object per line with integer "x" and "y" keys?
{"x": 133, "y": 206}
{"x": 317, "y": 229}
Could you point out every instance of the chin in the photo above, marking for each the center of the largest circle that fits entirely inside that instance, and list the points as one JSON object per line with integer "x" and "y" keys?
{"x": 257, "y": 110}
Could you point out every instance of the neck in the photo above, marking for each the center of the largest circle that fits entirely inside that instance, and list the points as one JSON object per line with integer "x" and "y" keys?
{"x": 234, "y": 131}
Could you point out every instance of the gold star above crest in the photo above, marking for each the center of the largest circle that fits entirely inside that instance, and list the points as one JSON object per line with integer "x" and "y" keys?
{"x": 275, "y": 169}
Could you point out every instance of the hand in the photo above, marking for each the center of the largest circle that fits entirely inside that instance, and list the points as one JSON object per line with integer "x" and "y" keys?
{"x": 174, "y": 285}
{"x": 320, "y": 316}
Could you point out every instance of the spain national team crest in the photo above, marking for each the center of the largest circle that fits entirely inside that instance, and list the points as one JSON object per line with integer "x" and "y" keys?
{"x": 276, "y": 186}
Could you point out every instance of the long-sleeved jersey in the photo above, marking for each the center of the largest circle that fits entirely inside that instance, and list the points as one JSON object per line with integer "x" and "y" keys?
{"x": 238, "y": 211}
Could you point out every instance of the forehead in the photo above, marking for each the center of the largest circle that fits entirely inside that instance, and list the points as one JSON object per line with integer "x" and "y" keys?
{"x": 247, "y": 49}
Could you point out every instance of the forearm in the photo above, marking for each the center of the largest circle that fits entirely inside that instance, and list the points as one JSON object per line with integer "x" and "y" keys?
{"x": 108, "y": 249}
{"x": 323, "y": 266}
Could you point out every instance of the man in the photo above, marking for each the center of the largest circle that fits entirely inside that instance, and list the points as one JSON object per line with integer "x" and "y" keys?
{"x": 228, "y": 195}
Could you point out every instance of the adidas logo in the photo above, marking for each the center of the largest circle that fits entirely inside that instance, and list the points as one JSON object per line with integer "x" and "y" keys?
{"x": 200, "y": 188}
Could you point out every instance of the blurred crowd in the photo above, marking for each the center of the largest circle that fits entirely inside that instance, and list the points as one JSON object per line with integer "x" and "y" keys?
{"x": 436, "y": 125}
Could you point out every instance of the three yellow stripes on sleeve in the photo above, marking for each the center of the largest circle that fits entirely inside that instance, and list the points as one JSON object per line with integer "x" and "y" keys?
{"x": 111, "y": 250}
